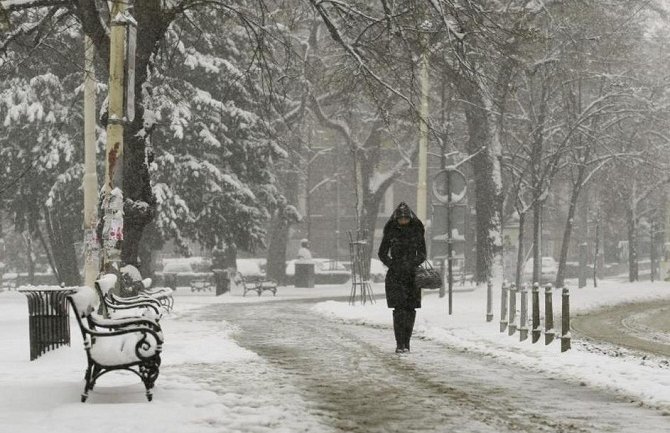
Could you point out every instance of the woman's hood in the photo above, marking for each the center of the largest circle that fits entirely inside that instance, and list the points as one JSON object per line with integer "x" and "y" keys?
{"x": 403, "y": 210}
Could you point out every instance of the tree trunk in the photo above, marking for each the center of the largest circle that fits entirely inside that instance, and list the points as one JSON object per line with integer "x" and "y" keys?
{"x": 276, "y": 258}
{"x": 652, "y": 248}
{"x": 48, "y": 252}
{"x": 367, "y": 200}
{"x": 279, "y": 230}
{"x": 139, "y": 201}
{"x": 145, "y": 255}
{"x": 595, "y": 254}
{"x": 488, "y": 202}
{"x": 537, "y": 241}
{"x": 369, "y": 221}
{"x": 359, "y": 185}
{"x": 61, "y": 240}
{"x": 308, "y": 215}
{"x": 54, "y": 262}
{"x": 567, "y": 233}
{"x": 231, "y": 256}
{"x": 519, "y": 252}
{"x": 70, "y": 272}
{"x": 31, "y": 259}
{"x": 633, "y": 268}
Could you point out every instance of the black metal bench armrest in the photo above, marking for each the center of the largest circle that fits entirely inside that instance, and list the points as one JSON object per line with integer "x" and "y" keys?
{"x": 153, "y": 308}
{"x": 118, "y": 304}
{"x": 134, "y": 299}
{"x": 158, "y": 292}
{"x": 124, "y": 331}
{"x": 143, "y": 346}
{"x": 127, "y": 323}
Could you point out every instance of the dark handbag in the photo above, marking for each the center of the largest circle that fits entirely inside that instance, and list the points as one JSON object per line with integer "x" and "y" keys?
{"x": 427, "y": 277}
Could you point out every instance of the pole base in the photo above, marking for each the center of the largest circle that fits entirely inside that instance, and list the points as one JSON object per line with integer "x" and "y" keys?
{"x": 536, "y": 335}
{"x": 503, "y": 326}
{"x": 523, "y": 334}
{"x": 548, "y": 338}
{"x": 489, "y": 317}
{"x": 512, "y": 329}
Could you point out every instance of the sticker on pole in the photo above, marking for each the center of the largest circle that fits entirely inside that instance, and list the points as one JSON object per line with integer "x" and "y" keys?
{"x": 449, "y": 181}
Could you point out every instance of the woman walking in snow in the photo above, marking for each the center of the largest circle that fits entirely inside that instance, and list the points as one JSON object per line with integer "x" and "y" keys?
{"x": 403, "y": 248}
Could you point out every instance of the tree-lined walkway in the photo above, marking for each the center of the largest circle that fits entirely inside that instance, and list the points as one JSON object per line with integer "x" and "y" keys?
{"x": 350, "y": 379}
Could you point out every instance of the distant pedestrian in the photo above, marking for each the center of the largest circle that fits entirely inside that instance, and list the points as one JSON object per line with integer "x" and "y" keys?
{"x": 402, "y": 249}
{"x": 304, "y": 253}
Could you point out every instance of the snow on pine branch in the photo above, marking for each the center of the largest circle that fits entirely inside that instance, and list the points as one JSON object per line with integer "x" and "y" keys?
{"x": 33, "y": 101}
{"x": 210, "y": 64}
{"x": 72, "y": 176}
{"x": 15, "y": 5}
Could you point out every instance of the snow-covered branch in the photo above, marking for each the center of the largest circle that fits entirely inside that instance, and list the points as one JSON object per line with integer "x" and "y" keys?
{"x": 17, "y": 5}
{"x": 340, "y": 127}
{"x": 338, "y": 37}
{"x": 27, "y": 29}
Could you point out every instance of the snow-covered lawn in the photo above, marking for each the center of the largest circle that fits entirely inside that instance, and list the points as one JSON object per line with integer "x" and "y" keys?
{"x": 43, "y": 395}
{"x": 201, "y": 357}
{"x": 466, "y": 329}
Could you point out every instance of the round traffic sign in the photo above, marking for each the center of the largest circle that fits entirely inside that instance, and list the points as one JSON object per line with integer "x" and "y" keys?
{"x": 453, "y": 180}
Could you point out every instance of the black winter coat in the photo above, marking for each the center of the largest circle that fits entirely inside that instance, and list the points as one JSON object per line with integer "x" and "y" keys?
{"x": 402, "y": 249}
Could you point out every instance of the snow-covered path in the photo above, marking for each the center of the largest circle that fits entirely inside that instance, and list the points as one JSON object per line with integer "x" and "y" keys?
{"x": 643, "y": 326}
{"x": 349, "y": 379}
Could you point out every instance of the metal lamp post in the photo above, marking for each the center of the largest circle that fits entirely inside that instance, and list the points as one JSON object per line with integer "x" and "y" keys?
{"x": 120, "y": 110}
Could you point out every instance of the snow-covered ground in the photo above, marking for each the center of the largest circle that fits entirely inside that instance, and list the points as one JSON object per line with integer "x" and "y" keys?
{"x": 43, "y": 395}
{"x": 192, "y": 394}
{"x": 646, "y": 379}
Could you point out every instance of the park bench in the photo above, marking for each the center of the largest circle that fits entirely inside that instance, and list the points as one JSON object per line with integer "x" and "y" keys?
{"x": 131, "y": 280}
{"x": 162, "y": 294}
{"x": 257, "y": 283}
{"x": 202, "y": 284}
{"x": 133, "y": 344}
{"x": 8, "y": 283}
{"x": 140, "y": 305}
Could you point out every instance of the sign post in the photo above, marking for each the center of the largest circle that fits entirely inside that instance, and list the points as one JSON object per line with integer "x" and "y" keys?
{"x": 449, "y": 187}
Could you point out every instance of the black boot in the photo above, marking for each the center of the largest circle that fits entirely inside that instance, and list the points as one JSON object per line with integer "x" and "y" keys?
{"x": 410, "y": 316}
{"x": 399, "y": 329}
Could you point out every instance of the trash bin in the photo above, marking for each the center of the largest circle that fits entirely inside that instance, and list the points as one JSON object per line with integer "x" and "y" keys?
{"x": 48, "y": 321}
{"x": 221, "y": 281}
{"x": 304, "y": 274}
